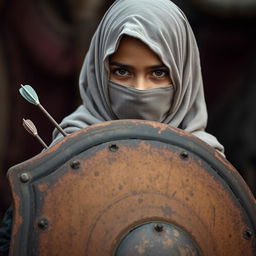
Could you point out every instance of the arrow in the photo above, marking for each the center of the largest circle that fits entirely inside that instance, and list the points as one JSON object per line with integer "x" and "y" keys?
{"x": 31, "y": 128}
{"x": 30, "y": 95}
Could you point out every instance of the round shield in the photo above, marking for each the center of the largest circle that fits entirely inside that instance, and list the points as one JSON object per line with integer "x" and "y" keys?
{"x": 131, "y": 188}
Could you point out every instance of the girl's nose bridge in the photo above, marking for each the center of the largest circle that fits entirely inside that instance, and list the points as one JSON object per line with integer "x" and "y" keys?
{"x": 141, "y": 82}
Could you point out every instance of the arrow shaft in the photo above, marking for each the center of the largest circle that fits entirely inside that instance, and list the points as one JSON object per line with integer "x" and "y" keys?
{"x": 52, "y": 120}
{"x": 41, "y": 141}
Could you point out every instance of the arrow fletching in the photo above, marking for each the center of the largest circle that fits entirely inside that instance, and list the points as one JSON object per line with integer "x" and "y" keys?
{"x": 29, "y": 94}
{"x": 30, "y": 127}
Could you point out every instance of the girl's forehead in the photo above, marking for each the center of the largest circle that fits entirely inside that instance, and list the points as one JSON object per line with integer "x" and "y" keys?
{"x": 132, "y": 49}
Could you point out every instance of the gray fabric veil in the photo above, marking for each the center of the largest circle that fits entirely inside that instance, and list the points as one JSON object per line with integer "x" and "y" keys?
{"x": 162, "y": 26}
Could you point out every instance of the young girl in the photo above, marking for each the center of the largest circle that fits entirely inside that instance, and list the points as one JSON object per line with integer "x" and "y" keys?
{"x": 143, "y": 63}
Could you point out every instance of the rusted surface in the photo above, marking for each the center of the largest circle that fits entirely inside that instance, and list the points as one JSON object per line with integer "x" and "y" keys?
{"x": 90, "y": 208}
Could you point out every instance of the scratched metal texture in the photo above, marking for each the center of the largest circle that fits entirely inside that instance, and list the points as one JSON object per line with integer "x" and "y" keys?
{"x": 83, "y": 195}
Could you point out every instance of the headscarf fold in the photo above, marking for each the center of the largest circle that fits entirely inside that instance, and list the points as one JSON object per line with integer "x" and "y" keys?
{"x": 164, "y": 28}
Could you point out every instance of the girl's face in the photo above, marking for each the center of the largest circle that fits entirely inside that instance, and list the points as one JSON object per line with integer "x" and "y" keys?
{"x": 135, "y": 64}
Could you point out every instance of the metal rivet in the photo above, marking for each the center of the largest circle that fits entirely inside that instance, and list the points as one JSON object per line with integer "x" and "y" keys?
{"x": 247, "y": 234}
{"x": 43, "y": 224}
{"x": 75, "y": 164}
{"x": 113, "y": 147}
{"x": 184, "y": 155}
{"x": 24, "y": 177}
{"x": 158, "y": 227}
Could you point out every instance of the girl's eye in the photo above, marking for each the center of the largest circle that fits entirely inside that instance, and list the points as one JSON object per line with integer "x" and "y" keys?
{"x": 120, "y": 72}
{"x": 160, "y": 73}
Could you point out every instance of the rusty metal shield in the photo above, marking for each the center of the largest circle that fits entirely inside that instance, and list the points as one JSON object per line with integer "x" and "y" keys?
{"x": 131, "y": 188}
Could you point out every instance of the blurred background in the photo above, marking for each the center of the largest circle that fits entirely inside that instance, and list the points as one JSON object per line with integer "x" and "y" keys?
{"x": 43, "y": 43}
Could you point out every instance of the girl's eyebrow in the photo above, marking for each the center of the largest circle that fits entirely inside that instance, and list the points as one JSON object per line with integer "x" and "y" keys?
{"x": 114, "y": 63}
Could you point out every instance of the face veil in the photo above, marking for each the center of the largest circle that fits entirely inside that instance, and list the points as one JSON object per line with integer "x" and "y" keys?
{"x": 163, "y": 27}
{"x": 130, "y": 103}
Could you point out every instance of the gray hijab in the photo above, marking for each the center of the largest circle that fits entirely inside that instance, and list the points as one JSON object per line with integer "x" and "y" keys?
{"x": 162, "y": 26}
